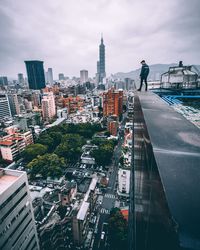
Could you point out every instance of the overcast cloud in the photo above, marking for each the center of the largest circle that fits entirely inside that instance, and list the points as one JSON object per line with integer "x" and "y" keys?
{"x": 65, "y": 34}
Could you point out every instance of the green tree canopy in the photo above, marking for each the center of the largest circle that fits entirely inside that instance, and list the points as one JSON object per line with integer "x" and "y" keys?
{"x": 33, "y": 150}
{"x": 47, "y": 165}
{"x": 70, "y": 147}
{"x": 103, "y": 154}
{"x": 117, "y": 230}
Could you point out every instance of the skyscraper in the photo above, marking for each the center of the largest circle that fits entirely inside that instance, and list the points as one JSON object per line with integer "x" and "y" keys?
{"x": 61, "y": 76}
{"x": 3, "y": 81}
{"x": 4, "y": 107}
{"x": 101, "y": 73}
{"x": 35, "y": 73}
{"x": 14, "y": 104}
{"x": 83, "y": 76}
{"x": 18, "y": 230}
{"x": 21, "y": 79}
{"x": 50, "y": 76}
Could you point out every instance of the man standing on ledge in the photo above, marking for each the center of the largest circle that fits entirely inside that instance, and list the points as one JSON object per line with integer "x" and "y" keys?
{"x": 143, "y": 74}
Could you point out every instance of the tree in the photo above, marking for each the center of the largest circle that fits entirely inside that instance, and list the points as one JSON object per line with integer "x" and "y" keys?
{"x": 70, "y": 147}
{"x": 45, "y": 139}
{"x": 33, "y": 150}
{"x": 103, "y": 154}
{"x": 47, "y": 165}
{"x": 117, "y": 230}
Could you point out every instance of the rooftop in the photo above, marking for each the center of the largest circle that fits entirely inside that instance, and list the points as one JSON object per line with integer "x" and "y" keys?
{"x": 83, "y": 210}
{"x": 176, "y": 146}
{"x": 7, "y": 179}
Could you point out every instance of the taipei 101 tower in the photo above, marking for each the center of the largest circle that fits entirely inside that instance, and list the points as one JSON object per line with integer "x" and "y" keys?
{"x": 101, "y": 63}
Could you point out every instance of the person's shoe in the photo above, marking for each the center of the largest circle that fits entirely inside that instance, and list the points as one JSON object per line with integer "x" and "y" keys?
{"x": 138, "y": 89}
{"x": 145, "y": 89}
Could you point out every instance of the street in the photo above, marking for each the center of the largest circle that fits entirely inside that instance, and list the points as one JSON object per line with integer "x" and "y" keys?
{"x": 110, "y": 195}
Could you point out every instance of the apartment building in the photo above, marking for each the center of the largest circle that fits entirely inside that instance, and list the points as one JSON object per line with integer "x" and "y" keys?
{"x": 48, "y": 106}
{"x": 18, "y": 230}
{"x": 12, "y": 145}
{"x": 124, "y": 181}
{"x": 113, "y": 102}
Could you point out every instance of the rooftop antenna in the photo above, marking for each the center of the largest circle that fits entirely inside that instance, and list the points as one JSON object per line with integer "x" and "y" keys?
{"x": 101, "y": 37}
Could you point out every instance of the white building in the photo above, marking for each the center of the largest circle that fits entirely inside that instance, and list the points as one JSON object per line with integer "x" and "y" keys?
{"x": 48, "y": 106}
{"x": 123, "y": 182}
{"x": 83, "y": 76}
{"x": 4, "y": 107}
{"x": 13, "y": 144}
{"x": 14, "y": 104}
{"x": 18, "y": 230}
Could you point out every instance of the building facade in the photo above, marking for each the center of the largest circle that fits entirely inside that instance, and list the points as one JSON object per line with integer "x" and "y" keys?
{"x": 21, "y": 79}
{"x": 83, "y": 76}
{"x": 12, "y": 145}
{"x": 124, "y": 181}
{"x": 14, "y": 104}
{"x": 113, "y": 102}
{"x": 35, "y": 73}
{"x": 48, "y": 106}
{"x": 164, "y": 206}
{"x": 5, "y": 110}
{"x": 61, "y": 77}
{"x": 50, "y": 76}
{"x": 18, "y": 230}
{"x": 3, "y": 81}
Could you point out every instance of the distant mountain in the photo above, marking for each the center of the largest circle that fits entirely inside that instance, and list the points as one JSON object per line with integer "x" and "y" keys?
{"x": 155, "y": 72}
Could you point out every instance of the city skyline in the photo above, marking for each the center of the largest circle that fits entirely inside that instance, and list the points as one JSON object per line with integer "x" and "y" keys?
{"x": 59, "y": 34}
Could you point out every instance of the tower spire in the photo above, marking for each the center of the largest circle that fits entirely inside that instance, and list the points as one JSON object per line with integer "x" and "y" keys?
{"x": 101, "y": 38}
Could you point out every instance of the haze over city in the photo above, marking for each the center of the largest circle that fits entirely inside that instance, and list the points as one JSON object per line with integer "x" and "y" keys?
{"x": 65, "y": 34}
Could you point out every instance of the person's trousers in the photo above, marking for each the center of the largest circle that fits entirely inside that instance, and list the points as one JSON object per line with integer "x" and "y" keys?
{"x": 143, "y": 79}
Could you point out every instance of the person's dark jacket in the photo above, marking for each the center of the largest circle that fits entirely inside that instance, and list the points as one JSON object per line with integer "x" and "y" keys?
{"x": 144, "y": 71}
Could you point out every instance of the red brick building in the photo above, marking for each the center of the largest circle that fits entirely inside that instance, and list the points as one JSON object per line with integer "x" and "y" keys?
{"x": 113, "y": 102}
{"x": 73, "y": 103}
{"x": 113, "y": 127}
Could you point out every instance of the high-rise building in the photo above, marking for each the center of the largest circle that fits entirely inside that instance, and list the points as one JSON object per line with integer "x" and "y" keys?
{"x": 3, "y": 80}
{"x": 83, "y": 76}
{"x": 113, "y": 102}
{"x": 20, "y": 78}
{"x": 61, "y": 76}
{"x": 18, "y": 230}
{"x": 35, "y": 72}
{"x": 101, "y": 63}
{"x": 4, "y": 107}
{"x": 164, "y": 202}
{"x": 48, "y": 106}
{"x": 14, "y": 104}
{"x": 50, "y": 76}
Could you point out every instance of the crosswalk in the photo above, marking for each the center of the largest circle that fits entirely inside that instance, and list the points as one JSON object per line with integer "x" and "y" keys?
{"x": 104, "y": 211}
{"x": 111, "y": 196}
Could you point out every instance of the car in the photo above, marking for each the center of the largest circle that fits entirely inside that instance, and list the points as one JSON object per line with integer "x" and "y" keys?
{"x": 102, "y": 235}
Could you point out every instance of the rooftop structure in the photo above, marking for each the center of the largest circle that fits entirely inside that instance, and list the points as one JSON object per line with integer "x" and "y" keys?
{"x": 180, "y": 77}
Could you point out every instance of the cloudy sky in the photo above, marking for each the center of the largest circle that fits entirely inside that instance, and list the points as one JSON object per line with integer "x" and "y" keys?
{"x": 65, "y": 34}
